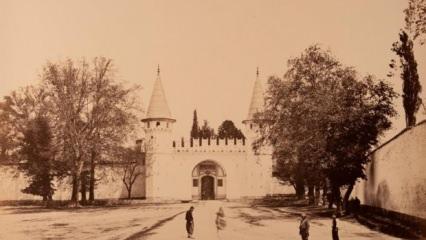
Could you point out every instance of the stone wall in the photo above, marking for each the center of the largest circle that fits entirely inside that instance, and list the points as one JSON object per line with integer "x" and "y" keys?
{"x": 396, "y": 176}
{"x": 109, "y": 185}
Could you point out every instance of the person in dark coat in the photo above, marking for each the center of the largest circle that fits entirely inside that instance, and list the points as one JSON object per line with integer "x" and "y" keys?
{"x": 189, "y": 222}
{"x": 304, "y": 227}
{"x": 334, "y": 229}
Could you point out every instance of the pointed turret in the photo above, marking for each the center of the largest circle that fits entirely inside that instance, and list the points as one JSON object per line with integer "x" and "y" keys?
{"x": 158, "y": 108}
{"x": 257, "y": 99}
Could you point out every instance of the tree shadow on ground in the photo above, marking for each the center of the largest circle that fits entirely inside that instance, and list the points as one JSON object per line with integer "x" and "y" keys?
{"x": 148, "y": 231}
{"x": 265, "y": 214}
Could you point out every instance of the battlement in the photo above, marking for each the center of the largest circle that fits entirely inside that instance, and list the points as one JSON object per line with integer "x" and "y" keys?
{"x": 210, "y": 145}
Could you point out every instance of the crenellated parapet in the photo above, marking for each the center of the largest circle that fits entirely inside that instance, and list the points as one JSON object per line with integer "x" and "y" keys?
{"x": 209, "y": 145}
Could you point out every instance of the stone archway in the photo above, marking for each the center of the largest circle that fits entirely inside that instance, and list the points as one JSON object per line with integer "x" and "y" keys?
{"x": 208, "y": 181}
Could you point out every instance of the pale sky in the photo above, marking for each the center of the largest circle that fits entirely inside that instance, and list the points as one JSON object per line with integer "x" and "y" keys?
{"x": 208, "y": 51}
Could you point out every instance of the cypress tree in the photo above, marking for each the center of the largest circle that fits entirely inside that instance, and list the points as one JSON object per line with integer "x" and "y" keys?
{"x": 410, "y": 78}
{"x": 195, "y": 129}
{"x": 37, "y": 158}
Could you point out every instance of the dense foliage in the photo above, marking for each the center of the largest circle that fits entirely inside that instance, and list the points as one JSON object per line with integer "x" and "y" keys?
{"x": 38, "y": 158}
{"x": 228, "y": 130}
{"x": 322, "y": 121}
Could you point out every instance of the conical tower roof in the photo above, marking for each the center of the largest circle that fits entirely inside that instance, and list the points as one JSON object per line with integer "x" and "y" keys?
{"x": 158, "y": 107}
{"x": 257, "y": 98}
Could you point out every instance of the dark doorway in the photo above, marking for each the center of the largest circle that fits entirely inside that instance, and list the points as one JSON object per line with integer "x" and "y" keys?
{"x": 207, "y": 188}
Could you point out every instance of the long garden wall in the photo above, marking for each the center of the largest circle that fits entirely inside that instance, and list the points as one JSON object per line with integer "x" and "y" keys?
{"x": 109, "y": 186}
{"x": 396, "y": 176}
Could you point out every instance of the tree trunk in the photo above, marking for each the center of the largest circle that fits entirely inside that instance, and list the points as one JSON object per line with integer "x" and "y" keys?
{"x": 83, "y": 187}
{"x": 311, "y": 196}
{"x": 346, "y": 197}
{"x": 76, "y": 184}
{"x": 92, "y": 177}
{"x": 411, "y": 121}
{"x": 337, "y": 198}
{"x": 129, "y": 192}
{"x": 74, "y": 194}
{"x": 324, "y": 194}
{"x": 317, "y": 194}
{"x": 300, "y": 181}
{"x": 300, "y": 188}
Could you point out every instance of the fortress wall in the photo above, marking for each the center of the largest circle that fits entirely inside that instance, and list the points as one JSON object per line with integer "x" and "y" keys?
{"x": 109, "y": 186}
{"x": 396, "y": 176}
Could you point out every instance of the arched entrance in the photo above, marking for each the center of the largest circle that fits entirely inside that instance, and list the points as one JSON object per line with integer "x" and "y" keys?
{"x": 207, "y": 188}
{"x": 208, "y": 181}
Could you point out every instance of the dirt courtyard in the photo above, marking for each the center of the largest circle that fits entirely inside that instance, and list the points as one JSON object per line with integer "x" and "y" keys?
{"x": 166, "y": 222}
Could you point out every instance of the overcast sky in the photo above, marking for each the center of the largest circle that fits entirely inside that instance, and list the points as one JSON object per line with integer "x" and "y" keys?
{"x": 208, "y": 51}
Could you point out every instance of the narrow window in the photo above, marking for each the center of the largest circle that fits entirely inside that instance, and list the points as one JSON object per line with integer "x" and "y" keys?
{"x": 147, "y": 125}
{"x": 158, "y": 124}
{"x": 219, "y": 182}
{"x": 251, "y": 126}
{"x": 195, "y": 182}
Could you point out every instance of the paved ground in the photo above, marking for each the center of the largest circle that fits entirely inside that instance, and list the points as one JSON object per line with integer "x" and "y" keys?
{"x": 166, "y": 222}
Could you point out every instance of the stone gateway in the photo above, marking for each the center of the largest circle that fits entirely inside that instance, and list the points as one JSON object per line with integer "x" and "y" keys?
{"x": 203, "y": 169}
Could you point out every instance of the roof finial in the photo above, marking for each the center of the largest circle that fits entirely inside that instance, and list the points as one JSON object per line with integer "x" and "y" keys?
{"x": 257, "y": 71}
{"x": 158, "y": 70}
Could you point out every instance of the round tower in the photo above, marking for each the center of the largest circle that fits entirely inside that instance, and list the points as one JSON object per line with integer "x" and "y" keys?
{"x": 158, "y": 123}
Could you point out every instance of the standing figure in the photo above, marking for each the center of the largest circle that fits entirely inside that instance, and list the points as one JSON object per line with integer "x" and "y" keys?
{"x": 189, "y": 222}
{"x": 304, "y": 227}
{"x": 220, "y": 220}
{"x": 334, "y": 229}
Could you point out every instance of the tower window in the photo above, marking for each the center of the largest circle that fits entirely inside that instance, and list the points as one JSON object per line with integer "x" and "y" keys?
{"x": 147, "y": 125}
{"x": 167, "y": 125}
{"x": 251, "y": 126}
{"x": 195, "y": 182}
{"x": 157, "y": 124}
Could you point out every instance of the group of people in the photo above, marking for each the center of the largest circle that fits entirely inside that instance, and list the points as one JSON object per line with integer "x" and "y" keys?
{"x": 221, "y": 223}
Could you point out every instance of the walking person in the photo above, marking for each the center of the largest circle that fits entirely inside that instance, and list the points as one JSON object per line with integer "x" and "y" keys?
{"x": 220, "y": 220}
{"x": 304, "y": 227}
{"x": 189, "y": 222}
{"x": 334, "y": 229}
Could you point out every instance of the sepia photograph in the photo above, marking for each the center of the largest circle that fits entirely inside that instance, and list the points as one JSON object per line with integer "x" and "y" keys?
{"x": 212, "y": 120}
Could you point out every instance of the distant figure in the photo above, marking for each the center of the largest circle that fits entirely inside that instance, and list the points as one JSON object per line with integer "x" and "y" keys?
{"x": 189, "y": 222}
{"x": 220, "y": 220}
{"x": 304, "y": 227}
{"x": 334, "y": 229}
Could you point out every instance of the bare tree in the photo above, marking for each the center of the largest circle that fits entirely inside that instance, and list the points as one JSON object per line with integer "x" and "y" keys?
{"x": 92, "y": 113}
{"x": 134, "y": 163}
{"x": 133, "y": 167}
